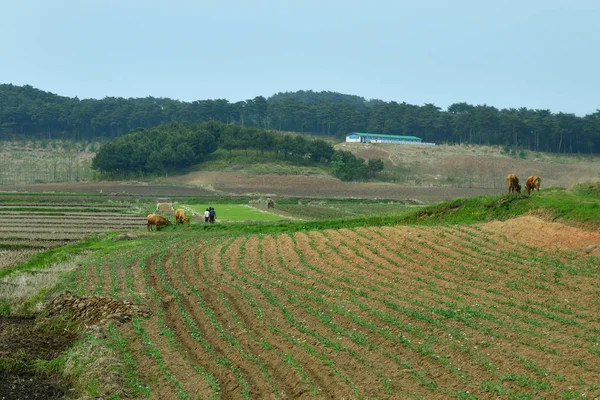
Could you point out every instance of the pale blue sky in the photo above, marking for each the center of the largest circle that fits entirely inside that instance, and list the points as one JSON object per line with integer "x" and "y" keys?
{"x": 532, "y": 53}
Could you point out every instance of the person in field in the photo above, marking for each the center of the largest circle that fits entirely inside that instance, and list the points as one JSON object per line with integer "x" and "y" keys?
{"x": 212, "y": 215}
{"x": 206, "y": 215}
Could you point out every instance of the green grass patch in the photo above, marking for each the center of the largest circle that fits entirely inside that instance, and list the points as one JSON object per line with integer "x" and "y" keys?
{"x": 237, "y": 213}
{"x": 554, "y": 203}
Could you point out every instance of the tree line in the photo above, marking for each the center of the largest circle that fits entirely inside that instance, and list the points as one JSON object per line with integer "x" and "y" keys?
{"x": 178, "y": 145}
{"x": 25, "y": 110}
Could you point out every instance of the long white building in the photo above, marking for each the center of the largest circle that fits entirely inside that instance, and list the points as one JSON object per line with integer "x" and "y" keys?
{"x": 358, "y": 137}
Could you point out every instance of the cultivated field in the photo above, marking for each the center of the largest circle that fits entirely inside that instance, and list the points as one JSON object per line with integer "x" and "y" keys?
{"x": 498, "y": 310}
{"x": 348, "y": 302}
{"x": 30, "y": 224}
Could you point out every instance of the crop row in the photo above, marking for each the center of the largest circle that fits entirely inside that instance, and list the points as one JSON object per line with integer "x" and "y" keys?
{"x": 367, "y": 312}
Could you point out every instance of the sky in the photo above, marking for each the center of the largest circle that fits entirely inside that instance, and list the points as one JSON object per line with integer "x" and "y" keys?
{"x": 539, "y": 54}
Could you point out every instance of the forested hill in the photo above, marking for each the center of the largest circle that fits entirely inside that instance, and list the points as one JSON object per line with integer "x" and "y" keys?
{"x": 25, "y": 110}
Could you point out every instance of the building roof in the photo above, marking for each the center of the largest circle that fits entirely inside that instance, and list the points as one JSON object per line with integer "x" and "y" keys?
{"x": 385, "y": 136}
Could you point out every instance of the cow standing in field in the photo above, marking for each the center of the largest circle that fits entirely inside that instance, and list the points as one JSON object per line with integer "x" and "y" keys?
{"x": 155, "y": 219}
{"x": 513, "y": 184}
{"x": 533, "y": 182}
{"x": 180, "y": 216}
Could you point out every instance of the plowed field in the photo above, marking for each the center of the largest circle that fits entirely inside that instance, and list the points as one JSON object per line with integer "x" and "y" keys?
{"x": 382, "y": 312}
{"x": 29, "y": 225}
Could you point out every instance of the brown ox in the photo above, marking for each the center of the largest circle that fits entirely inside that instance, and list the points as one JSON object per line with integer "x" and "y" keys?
{"x": 155, "y": 219}
{"x": 513, "y": 184}
{"x": 533, "y": 182}
{"x": 180, "y": 216}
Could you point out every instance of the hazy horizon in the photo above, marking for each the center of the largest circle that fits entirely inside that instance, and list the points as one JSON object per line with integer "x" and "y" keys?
{"x": 537, "y": 55}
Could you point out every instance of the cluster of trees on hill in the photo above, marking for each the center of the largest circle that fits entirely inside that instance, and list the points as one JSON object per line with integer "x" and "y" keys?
{"x": 29, "y": 111}
{"x": 156, "y": 150}
{"x": 179, "y": 145}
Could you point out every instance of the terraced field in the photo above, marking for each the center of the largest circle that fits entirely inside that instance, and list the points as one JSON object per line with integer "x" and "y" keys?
{"x": 27, "y": 227}
{"x": 481, "y": 311}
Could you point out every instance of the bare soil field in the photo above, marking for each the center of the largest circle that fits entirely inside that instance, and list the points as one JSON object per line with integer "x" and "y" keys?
{"x": 28, "y": 227}
{"x": 113, "y": 189}
{"x": 478, "y": 166}
{"x": 496, "y": 310}
{"x": 243, "y": 183}
{"x": 223, "y": 183}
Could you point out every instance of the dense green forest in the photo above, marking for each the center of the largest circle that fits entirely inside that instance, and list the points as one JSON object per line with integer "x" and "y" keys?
{"x": 25, "y": 110}
{"x": 181, "y": 144}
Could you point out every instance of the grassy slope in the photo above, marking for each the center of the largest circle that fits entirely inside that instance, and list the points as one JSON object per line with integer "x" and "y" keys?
{"x": 579, "y": 205}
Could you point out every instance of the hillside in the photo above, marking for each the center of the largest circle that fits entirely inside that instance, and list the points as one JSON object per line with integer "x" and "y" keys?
{"x": 475, "y": 166}
{"x": 475, "y": 298}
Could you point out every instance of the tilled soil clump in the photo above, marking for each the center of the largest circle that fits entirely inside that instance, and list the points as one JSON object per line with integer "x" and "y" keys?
{"x": 92, "y": 310}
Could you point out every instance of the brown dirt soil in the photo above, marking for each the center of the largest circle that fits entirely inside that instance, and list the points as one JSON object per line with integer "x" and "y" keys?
{"x": 381, "y": 312}
{"x": 30, "y": 386}
{"x": 20, "y": 340}
{"x": 242, "y": 183}
{"x": 548, "y": 235}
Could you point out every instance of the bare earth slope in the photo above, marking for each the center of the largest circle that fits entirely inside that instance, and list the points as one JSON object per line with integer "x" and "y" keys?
{"x": 320, "y": 186}
{"x": 481, "y": 166}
